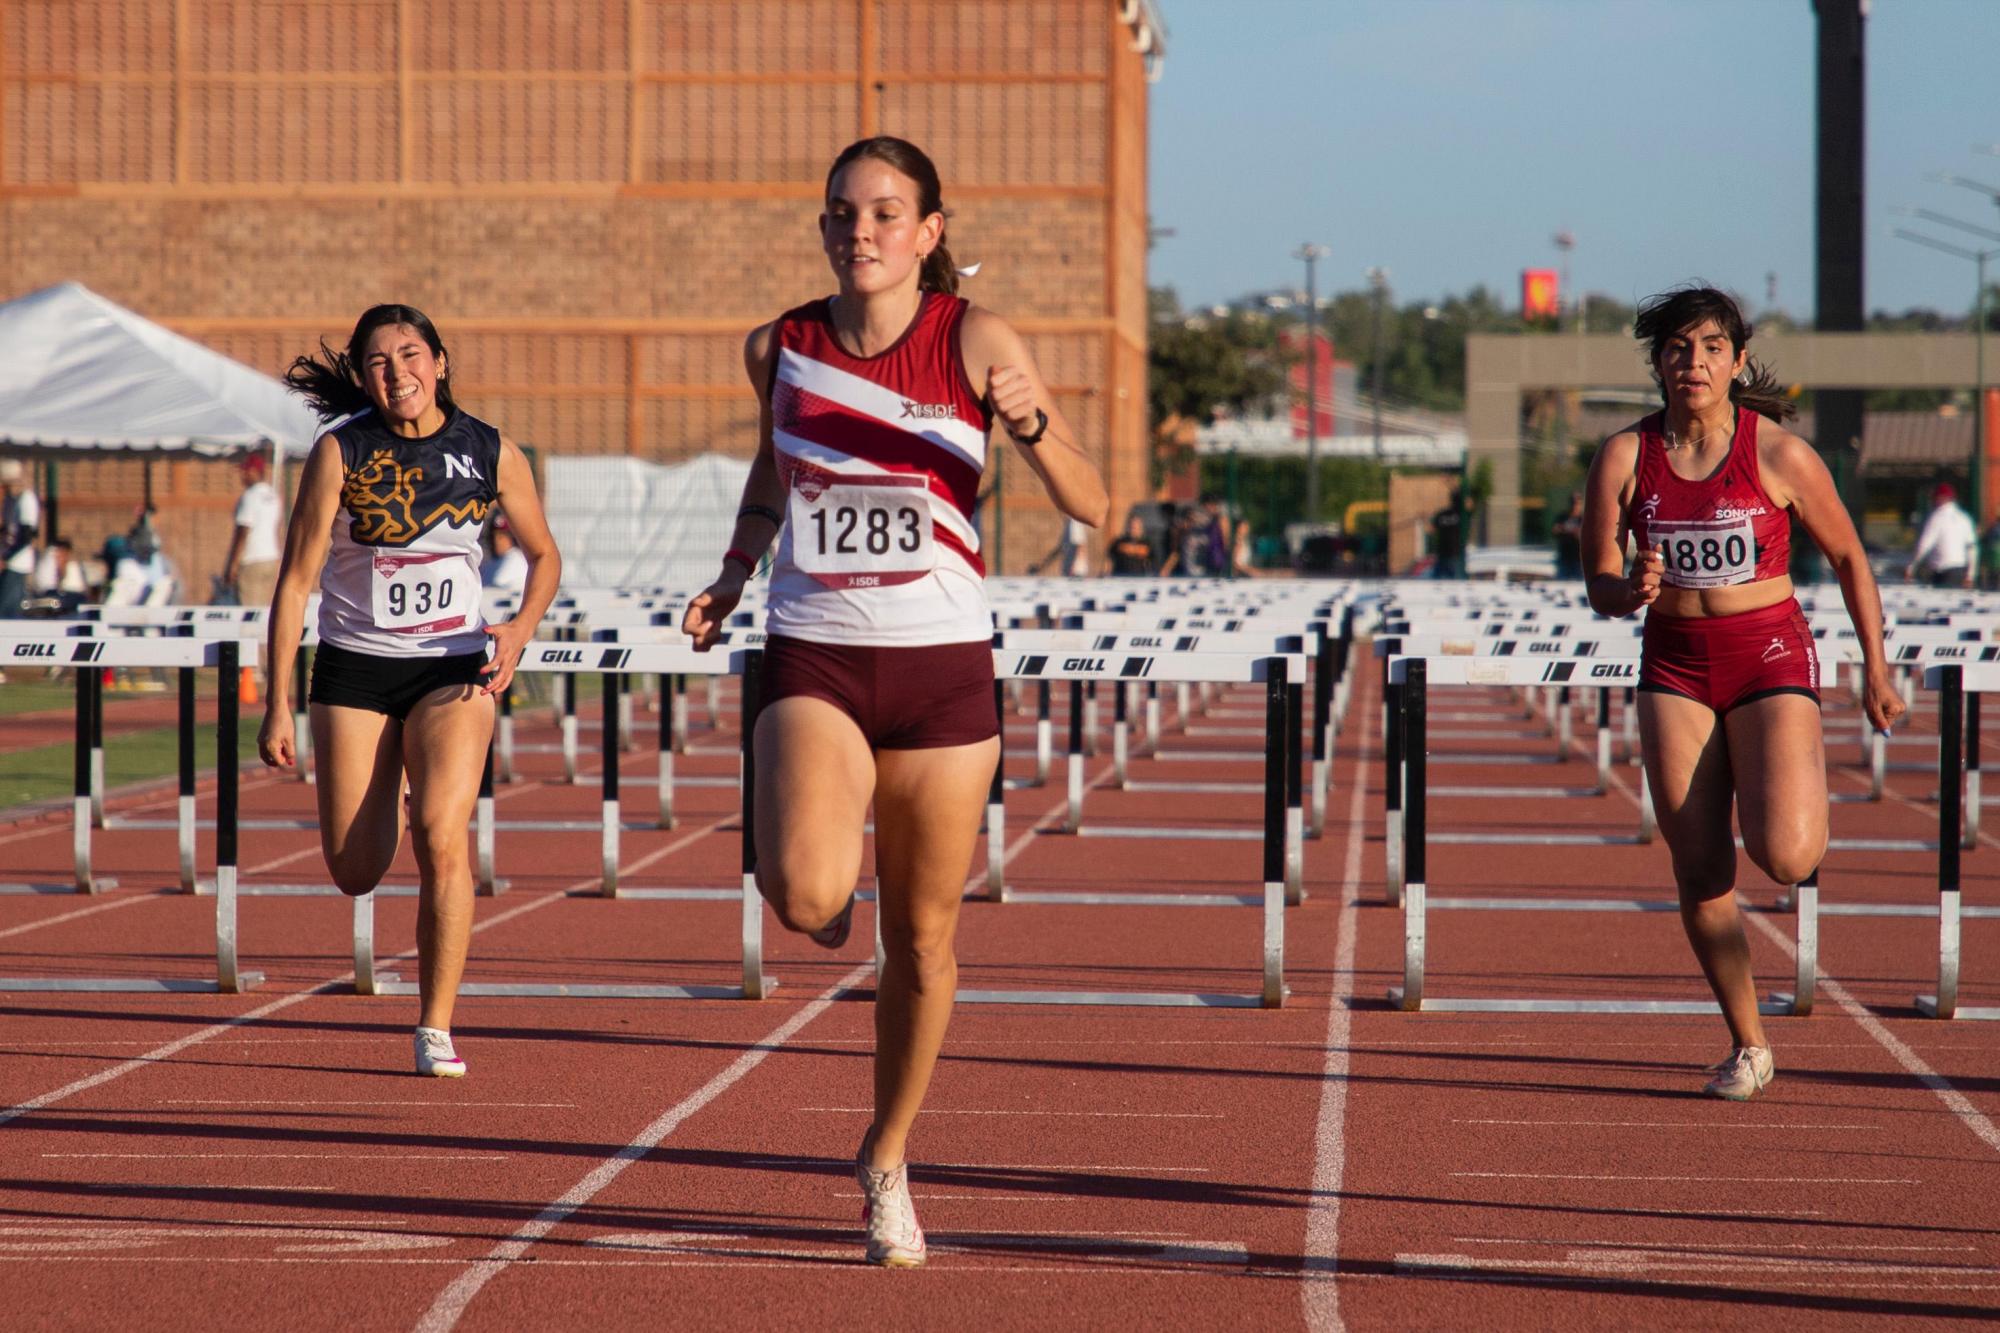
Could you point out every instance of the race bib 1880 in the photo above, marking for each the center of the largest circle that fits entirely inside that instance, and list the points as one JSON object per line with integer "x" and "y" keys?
{"x": 856, "y": 534}
{"x": 1712, "y": 553}
{"x": 423, "y": 594}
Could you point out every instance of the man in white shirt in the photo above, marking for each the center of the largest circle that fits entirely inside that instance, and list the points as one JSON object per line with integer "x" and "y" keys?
{"x": 252, "y": 564}
{"x": 20, "y": 520}
{"x": 1949, "y": 544}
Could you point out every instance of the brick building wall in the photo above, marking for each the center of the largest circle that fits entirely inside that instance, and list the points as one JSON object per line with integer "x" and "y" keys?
{"x": 594, "y": 199}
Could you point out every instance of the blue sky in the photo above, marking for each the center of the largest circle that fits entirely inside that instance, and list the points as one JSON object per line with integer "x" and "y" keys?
{"x": 1447, "y": 140}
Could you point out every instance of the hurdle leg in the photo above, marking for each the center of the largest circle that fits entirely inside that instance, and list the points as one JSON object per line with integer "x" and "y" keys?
{"x": 184, "y": 752}
{"x": 1181, "y": 709}
{"x": 97, "y": 750}
{"x": 229, "y": 978}
{"x": 1322, "y": 679}
{"x": 1603, "y": 741}
{"x": 1295, "y": 847}
{"x": 1121, "y": 740}
{"x": 714, "y": 692}
{"x": 629, "y": 735}
{"x": 1565, "y": 720}
{"x": 666, "y": 818}
{"x": 365, "y": 980}
{"x": 1629, "y": 723}
{"x": 569, "y": 726}
{"x": 1074, "y": 819}
{"x": 1950, "y": 700}
{"x": 1044, "y": 734}
{"x": 1410, "y": 997}
{"x": 679, "y": 715}
{"x": 1153, "y": 715}
{"x": 612, "y": 827}
{"x": 1090, "y": 719}
{"x": 302, "y": 734}
{"x": 1274, "y": 836}
{"x": 1970, "y": 839}
{"x": 485, "y": 883}
{"x": 1878, "y": 763}
{"x": 1806, "y": 895}
{"x": 1392, "y": 798}
{"x": 996, "y": 821}
{"x": 503, "y": 734}
{"x": 86, "y": 700}
{"x": 756, "y": 985}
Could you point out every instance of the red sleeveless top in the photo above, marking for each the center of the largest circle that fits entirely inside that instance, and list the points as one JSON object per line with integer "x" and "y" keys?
{"x": 1714, "y": 533}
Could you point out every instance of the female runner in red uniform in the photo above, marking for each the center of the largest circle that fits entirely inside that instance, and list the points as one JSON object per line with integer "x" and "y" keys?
{"x": 1728, "y": 680}
{"x": 876, "y": 407}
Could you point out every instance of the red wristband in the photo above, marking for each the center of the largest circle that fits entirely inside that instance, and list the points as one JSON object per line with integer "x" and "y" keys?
{"x": 749, "y": 564}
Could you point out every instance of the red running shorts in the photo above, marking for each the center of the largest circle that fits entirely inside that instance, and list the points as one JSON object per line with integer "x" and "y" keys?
{"x": 1725, "y": 661}
{"x": 921, "y": 698}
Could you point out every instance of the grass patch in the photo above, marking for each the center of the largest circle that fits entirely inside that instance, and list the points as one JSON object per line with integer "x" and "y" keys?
{"x": 49, "y": 771}
{"x": 38, "y": 695}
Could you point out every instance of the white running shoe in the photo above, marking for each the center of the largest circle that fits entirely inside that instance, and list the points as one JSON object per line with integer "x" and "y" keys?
{"x": 889, "y": 1217}
{"x": 435, "y": 1055}
{"x": 1743, "y": 1075}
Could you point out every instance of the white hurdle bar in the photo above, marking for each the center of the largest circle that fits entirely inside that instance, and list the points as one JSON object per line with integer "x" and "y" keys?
{"x": 88, "y": 657}
{"x": 1415, "y": 675}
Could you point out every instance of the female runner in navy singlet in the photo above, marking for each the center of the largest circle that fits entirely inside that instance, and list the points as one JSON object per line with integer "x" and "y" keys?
{"x": 1728, "y": 679}
{"x": 877, "y": 405}
{"x": 386, "y": 526}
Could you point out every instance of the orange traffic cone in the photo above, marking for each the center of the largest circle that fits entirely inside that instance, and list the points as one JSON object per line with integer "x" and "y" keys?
{"x": 246, "y": 686}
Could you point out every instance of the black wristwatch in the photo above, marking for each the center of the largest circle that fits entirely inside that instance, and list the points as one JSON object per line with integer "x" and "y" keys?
{"x": 1035, "y": 437}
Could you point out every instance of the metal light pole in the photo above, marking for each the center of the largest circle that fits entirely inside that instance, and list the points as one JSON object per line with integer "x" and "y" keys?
{"x": 1378, "y": 282}
{"x": 1979, "y": 258}
{"x": 1312, "y": 254}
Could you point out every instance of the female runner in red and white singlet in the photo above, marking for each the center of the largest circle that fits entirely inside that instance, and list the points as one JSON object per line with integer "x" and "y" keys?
{"x": 876, "y": 408}
{"x": 1729, "y": 683}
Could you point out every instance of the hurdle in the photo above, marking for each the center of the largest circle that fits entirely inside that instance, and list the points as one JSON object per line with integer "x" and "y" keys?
{"x": 88, "y": 657}
{"x": 612, "y": 661}
{"x": 1416, "y": 675}
{"x": 1274, "y": 672}
{"x": 1954, "y": 683}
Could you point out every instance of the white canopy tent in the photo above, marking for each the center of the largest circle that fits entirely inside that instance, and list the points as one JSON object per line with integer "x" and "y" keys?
{"x": 80, "y": 374}
{"x": 624, "y": 522}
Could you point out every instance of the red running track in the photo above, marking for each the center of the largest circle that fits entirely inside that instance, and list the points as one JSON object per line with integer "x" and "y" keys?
{"x": 184, "y": 1160}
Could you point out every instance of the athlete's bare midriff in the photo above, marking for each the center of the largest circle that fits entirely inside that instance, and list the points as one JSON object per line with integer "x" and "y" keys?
{"x": 1699, "y": 602}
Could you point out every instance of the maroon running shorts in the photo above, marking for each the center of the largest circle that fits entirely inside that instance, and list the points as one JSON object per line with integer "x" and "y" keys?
{"x": 1723, "y": 661}
{"x": 902, "y": 698}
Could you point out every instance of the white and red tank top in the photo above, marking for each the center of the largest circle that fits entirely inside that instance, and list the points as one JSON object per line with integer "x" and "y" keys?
{"x": 881, "y": 458}
{"x": 1713, "y": 533}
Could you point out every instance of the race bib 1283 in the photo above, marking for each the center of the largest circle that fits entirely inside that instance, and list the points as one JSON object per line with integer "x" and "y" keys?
{"x": 862, "y": 534}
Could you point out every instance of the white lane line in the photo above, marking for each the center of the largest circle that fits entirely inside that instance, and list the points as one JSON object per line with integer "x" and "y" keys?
{"x": 1970, "y": 1116}
{"x": 1981, "y": 1126}
{"x": 1701, "y": 1180}
{"x": 1730, "y": 1247}
{"x": 1320, "y": 1291}
{"x": 451, "y": 1303}
{"x": 283, "y": 1002}
{"x": 82, "y": 911}
{"x": 276, "y": 1156}
{"x": 1706, "y": 1126}
{"x": 450, "y": 1105}
{"x": 1087, "y": 1115}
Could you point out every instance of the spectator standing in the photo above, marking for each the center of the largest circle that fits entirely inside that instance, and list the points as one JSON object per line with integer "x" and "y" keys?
{"x": 1568, "y": 534}
{"x": 20, "y": 521}
{"x": 1448, "y": 538}
{"x": 1131, "y": 555}
{"x": 506, "y": 570}
{"x": 251, "y": 567}
{"x": 59, "y": 577}
{"x": 1949, "y": 544}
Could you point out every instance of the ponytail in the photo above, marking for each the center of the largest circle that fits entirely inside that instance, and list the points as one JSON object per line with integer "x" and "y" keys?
{"x": 939, "y": 273}
{"x": 1758, "y": 390}
{"x": 328, "y": 383}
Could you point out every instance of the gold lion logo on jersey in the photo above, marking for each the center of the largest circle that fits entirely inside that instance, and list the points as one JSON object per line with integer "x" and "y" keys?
{"x": 382, "y": 496}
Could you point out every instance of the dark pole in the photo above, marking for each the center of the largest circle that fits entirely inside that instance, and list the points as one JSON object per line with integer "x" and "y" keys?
{"x": 1312, "y": 254}
{"x": 1837, "y": 304}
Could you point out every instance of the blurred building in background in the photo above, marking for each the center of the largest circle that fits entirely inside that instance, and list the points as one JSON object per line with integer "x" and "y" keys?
{"x": 595, "y": 199}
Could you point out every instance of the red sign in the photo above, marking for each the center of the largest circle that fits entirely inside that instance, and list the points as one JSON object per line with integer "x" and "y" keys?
{"x": 1320, "y": 366}
{"x": 1540, "y": 297}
